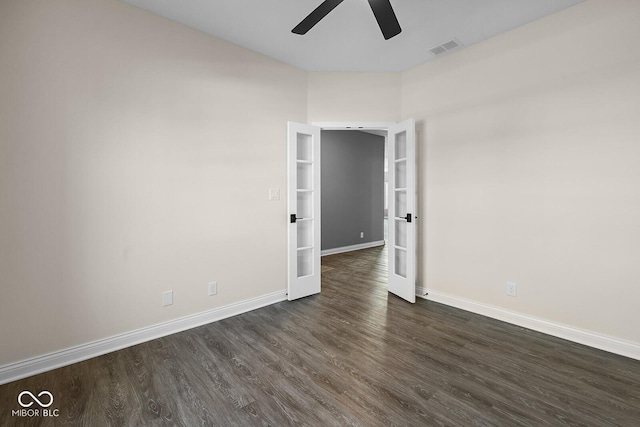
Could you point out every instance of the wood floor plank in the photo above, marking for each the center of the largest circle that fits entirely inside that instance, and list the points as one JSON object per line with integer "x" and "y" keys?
{"x": 353, "y": 355}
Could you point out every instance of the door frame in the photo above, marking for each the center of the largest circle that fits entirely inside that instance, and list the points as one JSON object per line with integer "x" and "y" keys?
{"x": 359, "y": 126}
{"x": 362, "y": 126}
{"x": 384, "y": 126}
{"x": 353, "y": 125}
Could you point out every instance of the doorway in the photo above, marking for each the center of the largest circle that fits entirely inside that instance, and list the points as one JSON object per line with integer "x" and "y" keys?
{"x": 304, "y": 189}
{"x": 352, "y": 197}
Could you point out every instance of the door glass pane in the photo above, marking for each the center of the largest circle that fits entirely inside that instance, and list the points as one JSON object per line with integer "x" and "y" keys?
{"x": 401, "y": 262}
{"x": 401, "y": 145}
{"x": 305, "y": 151}
{"x": 305, "y": 204}
{"x": 401, "y": 233}
{"x": 305, "y": 234}
{"x": 305, "y": 262}
{"x": 401, "y": 203}
{"x": 304, "y": 175}
{"x": 401, "y": 174}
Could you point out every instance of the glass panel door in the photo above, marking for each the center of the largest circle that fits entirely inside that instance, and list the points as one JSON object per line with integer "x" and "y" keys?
{"x": 402, "y": 246}
{"x": 304, "y": 210}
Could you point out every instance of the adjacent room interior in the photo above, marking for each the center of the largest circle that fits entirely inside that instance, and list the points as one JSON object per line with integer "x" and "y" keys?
{"x": 353, "y": 190}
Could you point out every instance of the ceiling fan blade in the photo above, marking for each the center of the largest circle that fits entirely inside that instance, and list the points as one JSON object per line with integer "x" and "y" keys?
{"x": 386, "y": 18}
{"x": 314, "y": 17}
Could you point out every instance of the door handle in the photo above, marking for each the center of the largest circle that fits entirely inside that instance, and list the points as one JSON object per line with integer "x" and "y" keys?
{"x": 294, "y": 218}
{"x": 408, "y": 217}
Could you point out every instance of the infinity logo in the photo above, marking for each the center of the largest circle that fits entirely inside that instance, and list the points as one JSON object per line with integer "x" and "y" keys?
{"x": 35, "y": 399}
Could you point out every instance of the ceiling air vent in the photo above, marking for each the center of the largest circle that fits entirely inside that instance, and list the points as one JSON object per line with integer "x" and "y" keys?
{"x": 445, "y": 47}
{"x": 438, "y": 50}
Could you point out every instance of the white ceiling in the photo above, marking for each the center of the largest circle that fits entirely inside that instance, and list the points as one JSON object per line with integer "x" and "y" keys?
{"x": 349, "y": 39}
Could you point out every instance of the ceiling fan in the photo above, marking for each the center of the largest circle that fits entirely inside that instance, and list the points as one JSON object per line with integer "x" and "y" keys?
{"x": 381, "y": 9}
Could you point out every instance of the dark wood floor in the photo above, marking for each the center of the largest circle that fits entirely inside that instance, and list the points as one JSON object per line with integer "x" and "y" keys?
{"x": 352, "y": 355}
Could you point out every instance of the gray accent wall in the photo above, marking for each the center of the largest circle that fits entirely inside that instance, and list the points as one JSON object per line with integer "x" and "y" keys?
{"x": 352, "y": 188}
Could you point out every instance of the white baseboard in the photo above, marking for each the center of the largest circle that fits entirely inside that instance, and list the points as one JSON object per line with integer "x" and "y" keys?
{"x": 591, "y": 339}
{"x": 352, "y": 248}
{"x": 57, "y": 359}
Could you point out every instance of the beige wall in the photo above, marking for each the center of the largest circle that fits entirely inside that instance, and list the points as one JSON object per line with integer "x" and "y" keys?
{"x": 135, "y": 157}
{"x": 532, "y": 157}
{"x": 353, "y": 97}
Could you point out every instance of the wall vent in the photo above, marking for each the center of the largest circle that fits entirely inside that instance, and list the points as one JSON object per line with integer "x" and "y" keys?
{"x": 445, "y": 47}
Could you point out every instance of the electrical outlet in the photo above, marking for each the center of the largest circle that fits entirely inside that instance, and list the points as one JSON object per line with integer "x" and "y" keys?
{"x": 167, "y": 298}
{"x": 213, "y": 288}
{"x": 512, "y": 289}
{"x": 362, "y": 234}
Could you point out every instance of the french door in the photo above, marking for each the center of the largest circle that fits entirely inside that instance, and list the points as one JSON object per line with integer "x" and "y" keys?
{"x": 303, "y": 163}
{"x": 401, "y": 153}
{"x": 303, "y": 196}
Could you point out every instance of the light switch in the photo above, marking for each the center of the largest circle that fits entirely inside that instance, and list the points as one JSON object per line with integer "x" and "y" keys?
{"x": 274, "y": 194}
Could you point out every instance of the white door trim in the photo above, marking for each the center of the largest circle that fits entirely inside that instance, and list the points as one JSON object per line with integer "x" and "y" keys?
{"x": 353, "y": 125}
